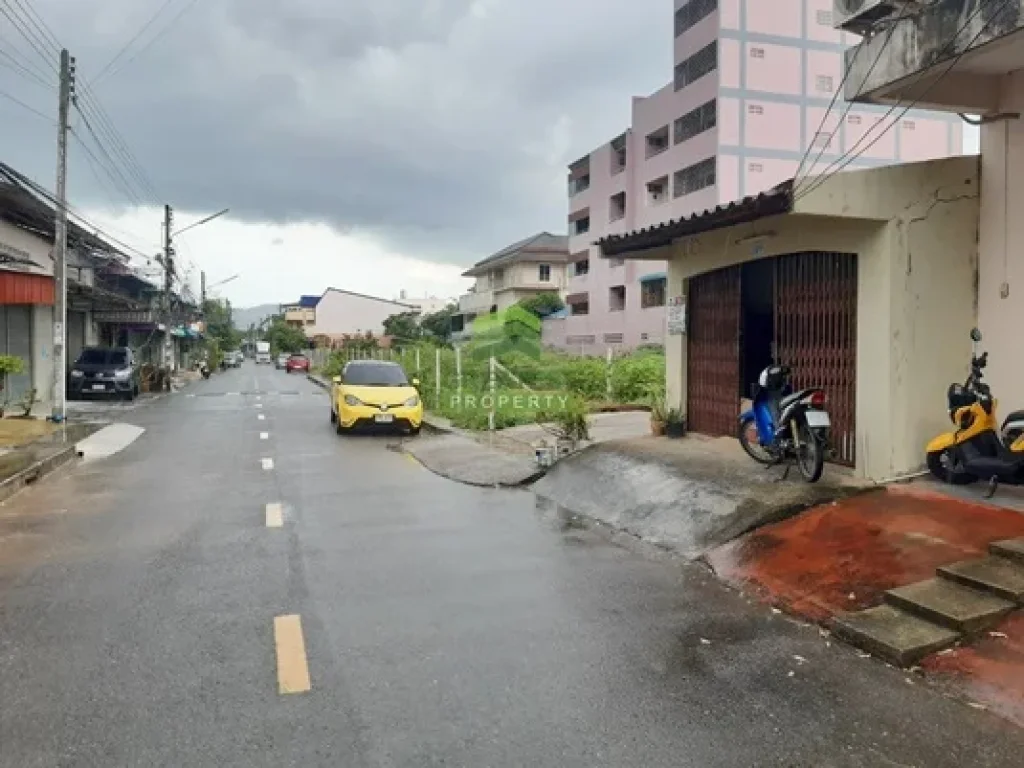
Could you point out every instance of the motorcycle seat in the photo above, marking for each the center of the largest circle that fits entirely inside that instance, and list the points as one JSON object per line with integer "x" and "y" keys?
{"x": 1015, "y": 416}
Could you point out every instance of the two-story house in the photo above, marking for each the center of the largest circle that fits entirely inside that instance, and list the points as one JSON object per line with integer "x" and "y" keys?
{"x": 526, "y": 268}
{"x": 301, "y": 314}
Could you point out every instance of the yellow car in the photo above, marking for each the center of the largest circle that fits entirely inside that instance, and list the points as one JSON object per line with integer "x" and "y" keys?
{"x": 375, "y": 393}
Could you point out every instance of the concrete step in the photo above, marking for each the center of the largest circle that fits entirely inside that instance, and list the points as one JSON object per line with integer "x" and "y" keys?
{"x": 1012, "y": 549}
{"x": 1001, "y": 576}
{"x": 951, "y": 605}
{"x": 893, "y": 634}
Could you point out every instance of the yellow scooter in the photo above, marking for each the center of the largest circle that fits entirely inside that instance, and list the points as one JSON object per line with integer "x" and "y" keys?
{"x": 976, "y": 450}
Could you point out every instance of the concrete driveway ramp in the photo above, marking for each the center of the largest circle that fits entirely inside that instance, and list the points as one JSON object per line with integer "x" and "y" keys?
{"x": 686, "y": 499}
{"x": 108, "y": 441}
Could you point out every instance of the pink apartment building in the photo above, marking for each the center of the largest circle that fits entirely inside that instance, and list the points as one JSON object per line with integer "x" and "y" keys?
{"x": 752, "y": 82}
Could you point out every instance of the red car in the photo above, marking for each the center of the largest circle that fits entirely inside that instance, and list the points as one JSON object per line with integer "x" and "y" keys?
{"x": 297, "y": 363}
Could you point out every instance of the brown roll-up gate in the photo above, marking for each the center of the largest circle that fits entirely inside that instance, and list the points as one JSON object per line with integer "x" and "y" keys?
{"x": 713, "y": 364}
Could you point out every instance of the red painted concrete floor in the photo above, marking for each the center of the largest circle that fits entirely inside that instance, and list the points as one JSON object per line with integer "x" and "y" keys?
{"x": 844, "y": 556}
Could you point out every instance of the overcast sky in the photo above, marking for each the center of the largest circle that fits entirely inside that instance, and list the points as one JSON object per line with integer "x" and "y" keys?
{"x": 358, "y": 143}
{"x": 373, "y": 145}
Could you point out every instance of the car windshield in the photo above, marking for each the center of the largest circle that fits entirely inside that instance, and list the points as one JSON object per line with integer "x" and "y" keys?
{"x": 298, "y": 358}
{"x": 371, "y": 375}
{"x": 103, "y": 357}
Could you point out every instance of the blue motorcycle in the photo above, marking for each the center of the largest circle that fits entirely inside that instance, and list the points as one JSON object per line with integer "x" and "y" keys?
{"x": 784, "y": 425}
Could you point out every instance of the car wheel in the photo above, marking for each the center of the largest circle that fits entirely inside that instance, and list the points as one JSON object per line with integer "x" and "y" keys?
{"x": 334, "y": 417}
{"x": 414, "y": 431}
{"x": 338, "y": 428}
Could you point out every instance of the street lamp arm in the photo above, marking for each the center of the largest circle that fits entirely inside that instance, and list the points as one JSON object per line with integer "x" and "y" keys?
{"x": 200, "y": 222}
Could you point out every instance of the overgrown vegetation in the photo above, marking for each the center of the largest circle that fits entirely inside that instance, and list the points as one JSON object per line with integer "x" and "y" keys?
{"x": 581, "y": 383}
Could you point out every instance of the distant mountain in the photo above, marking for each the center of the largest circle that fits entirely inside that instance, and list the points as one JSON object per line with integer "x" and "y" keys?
{"x": 243, "y": 317}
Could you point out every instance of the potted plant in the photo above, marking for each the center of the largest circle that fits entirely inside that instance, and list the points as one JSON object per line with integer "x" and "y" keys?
{"x": 675, "y": 424}
{"x": 659, "y": 412}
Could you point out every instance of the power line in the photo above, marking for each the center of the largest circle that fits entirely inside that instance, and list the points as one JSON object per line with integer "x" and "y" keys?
{"x": 189, "y": 5}
{"x": 131, "y": 41}
{"x": 33, "y": 110}
{"x": 112, "y": 172}
{"x": 849, "y": 104}
{"x": 21, "y": 69}
{"x": 849, "y": 156}
{"x": 19, "y": 25}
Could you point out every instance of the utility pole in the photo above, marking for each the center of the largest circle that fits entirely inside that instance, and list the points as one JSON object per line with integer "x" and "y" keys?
{"x": 202, "y": 293}
{"x": 168, "y": 284}
{"x": 60, "y": 244}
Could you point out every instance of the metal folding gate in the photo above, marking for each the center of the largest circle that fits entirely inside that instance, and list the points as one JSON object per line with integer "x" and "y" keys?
{"x": 816, "y": 334}
{"x": 713, "y": 361}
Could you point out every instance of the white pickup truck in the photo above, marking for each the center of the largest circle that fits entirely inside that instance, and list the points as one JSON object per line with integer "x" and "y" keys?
{"x": 263, "y": 352}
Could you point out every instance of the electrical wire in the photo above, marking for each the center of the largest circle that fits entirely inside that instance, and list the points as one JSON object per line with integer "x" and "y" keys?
{"x": 189, "y": 5}
{"x": 849, "y": 104}
{"x": 109, "y": 168}
{"x": 152, "y": 19}
{"x": 16, "y": 66}
{"x": 850, "y": 156}
{"x": 33, "y": 110}
{"x": 20, "y": 26}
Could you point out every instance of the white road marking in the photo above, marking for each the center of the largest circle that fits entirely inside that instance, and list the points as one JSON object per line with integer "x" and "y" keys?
{"x": 108, "y": 441}
{"x": 267, "y": 463}
{"x": 261, "y": 417}
{"x": 233, "y": 393}
{"x": 275, "y": 516}
{"x": 259, "y": 405}
{"x": 264, "y": 435}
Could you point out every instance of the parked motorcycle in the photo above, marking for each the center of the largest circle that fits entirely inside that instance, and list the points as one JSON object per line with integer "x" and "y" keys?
{"x": 975, "y": 450}
{"x": 783, "y": 425}
{"x": 204, "y": 369}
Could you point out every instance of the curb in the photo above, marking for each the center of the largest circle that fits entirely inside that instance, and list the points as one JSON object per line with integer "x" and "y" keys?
{"x": 36, "y": 471}
{"x": 318, "y": 381}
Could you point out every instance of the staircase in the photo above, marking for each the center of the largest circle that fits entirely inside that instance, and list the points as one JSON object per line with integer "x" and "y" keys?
{"x": 962, "y": 601}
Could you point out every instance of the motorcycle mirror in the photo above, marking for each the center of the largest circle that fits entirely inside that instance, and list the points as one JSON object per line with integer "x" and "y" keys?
{"x": 975, "y": 335}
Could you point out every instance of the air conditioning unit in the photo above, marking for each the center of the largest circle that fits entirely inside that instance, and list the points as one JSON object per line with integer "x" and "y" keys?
{"x": 862, "y": 16}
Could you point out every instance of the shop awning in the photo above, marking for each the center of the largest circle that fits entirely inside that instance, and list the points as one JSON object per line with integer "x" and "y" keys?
{"x": 653, "y": 277}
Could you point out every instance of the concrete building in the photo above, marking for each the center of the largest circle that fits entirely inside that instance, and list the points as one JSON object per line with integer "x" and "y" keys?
{"x": 426, "y": 305}
{"x": 301, "y": 314}
{"x": 526, "y": 268}
{"x": 863, "y": 285}
{"x": 346, "y": 313}
{"x": 752, "y": 84}
{"x": 967, "y": 56}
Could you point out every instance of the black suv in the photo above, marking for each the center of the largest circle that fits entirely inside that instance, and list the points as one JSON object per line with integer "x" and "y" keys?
{"x": 110, "y": 371}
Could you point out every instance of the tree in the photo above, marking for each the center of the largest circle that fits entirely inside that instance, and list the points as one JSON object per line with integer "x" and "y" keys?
{"x": 285, "y": 338}
{"x": 439, "y": 324}
{"x": 543, "y": 304}
{"x": 402, "y": 327}
{"x": 219, "y": 326}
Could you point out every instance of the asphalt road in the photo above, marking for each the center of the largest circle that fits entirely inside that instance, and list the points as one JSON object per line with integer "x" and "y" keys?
{"x": 150, "y": 616}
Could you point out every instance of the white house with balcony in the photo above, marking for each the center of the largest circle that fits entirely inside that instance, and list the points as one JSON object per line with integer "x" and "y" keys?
{"x": 526, "y": 268}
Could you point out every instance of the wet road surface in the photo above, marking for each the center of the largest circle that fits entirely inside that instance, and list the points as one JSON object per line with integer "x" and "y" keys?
{"x": 234, "y": 590}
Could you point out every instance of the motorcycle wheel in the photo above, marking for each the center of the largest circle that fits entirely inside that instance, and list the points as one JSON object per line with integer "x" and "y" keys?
{"x": 810, "y": 456}
{"x": 944, "y": 466}
{"x": 754, "y": 449}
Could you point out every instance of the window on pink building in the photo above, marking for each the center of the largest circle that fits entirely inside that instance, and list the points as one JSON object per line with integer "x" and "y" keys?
{"x": 580, "y": 265}
{"x": 619, "y": 155}
{"x": 692, "y": 13}
{"x": 657, "y": 141}
{"x": 696, "y": 121}
{"x": 617, "y": 298}
{"x": 652, "y": 293}
{"x": 579, "y": 305}
{"x": 657, "y": 191}
{"x": 617, "y": 207}
{"x": 824, "y": 84}
{"x": 703, "y": 62}
{"x": 694, "y": 177}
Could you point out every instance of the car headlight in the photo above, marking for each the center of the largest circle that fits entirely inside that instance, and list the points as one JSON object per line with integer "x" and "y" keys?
{"x": 76, "y": 374}
{"x": 352, "y": 400}
{"x": 412, "y": 402}
{"x": 122, "y": 374}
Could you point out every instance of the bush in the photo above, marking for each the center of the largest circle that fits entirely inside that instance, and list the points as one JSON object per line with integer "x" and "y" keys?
{"x": 633, "y": 376}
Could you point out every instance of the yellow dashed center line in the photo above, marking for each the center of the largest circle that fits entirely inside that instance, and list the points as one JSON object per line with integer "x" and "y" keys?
{"x": 292, "y": 667}
{"x": 275, "y": 516}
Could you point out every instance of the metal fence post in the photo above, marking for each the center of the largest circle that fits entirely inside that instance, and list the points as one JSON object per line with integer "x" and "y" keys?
{"x": 437, "y": 376}
{"x": 608, "y": 374}
{"x": 491, "y": 385}
{"x": 458, "y": 372}
{"x": 417, "y": 359}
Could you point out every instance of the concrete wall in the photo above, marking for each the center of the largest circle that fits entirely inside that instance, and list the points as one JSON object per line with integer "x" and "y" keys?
{"x": 914, "y": 229}
{"x": 340, "y": 313}
{"x": 42, "y": 354}
{"x": 1001, "y": 246}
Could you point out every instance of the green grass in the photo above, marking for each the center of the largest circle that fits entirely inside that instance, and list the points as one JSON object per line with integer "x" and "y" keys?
{"x": 629, "y": 380}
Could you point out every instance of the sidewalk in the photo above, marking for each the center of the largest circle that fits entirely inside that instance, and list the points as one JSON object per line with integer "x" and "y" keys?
{"x": 833, "y": 561}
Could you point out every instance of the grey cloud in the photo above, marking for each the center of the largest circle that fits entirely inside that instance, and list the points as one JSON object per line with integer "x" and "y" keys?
{"x": 441, "y": 127}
